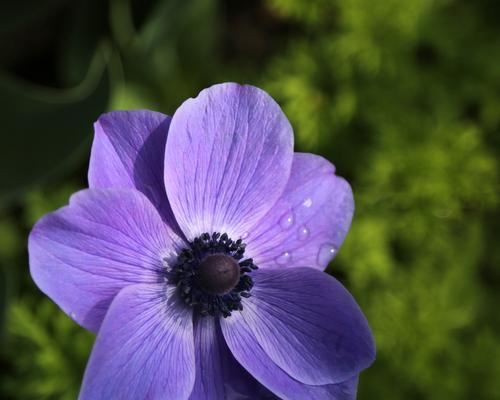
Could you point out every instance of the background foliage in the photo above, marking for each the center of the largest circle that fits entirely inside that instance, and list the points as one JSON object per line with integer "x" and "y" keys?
{"x": 403, "y": 96}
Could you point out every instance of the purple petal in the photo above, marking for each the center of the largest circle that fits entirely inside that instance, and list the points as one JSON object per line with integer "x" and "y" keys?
{"x": 250, "y": 354}
{"x": 81, "y": 255}
{"x": 307, "y": 323}
{"x": 129, "y": 152}
{"x": 309, "y": 222}
{"x": 144, "y": 349}
{"x": 218, "y": 374}
{"x": 228, "y": 158}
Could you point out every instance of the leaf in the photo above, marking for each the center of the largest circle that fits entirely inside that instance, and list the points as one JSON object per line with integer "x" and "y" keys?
{"x": 165, "y": 52}
{"x": 3, "y": 300}
{"x": 45, "y": 130}
{"x": 46, "y": 350}
{"x": 85, "y": 28}
{"x": 18, "y": 14}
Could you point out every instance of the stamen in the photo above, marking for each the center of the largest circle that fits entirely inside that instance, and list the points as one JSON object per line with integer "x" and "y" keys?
{"x": 211, "y": 274}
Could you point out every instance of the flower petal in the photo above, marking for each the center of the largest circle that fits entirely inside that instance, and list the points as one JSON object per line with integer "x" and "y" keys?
{"x": 144, "y": 349}
{"x": 81, "y": 255}
{"x": 228, "y": 158}
{"x": 308, "y": 325}
{"x": 309, "y": 222}
{"x": 129, "y": 152}
{"x": 218, "y": 374}
{"x": 249, "y": 353}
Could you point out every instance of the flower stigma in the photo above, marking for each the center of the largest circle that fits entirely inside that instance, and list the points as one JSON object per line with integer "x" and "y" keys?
{"x": 212, "y": 274}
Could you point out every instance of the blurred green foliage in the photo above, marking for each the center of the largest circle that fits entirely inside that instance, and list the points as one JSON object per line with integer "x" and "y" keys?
{"x": 402, "y": 96}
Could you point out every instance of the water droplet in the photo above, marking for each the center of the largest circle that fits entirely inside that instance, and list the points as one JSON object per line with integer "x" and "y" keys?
{"x": 325, "y": 254}
{"x": 244, "y": 235}
{"x": 287, "y": 221}
{"x": 284, "y": 258}
{"x": 73, "y": 315}
{"x": 307, "y": 202}
{"x": 303, "y": 232}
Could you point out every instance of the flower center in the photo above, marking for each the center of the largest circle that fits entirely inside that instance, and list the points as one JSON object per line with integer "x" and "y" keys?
{"x": 218, "y": 273}
{"x": 212, "y": 274}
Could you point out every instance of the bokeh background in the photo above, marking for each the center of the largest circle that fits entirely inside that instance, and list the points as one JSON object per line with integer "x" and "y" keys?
{"x": 403, "y": 96}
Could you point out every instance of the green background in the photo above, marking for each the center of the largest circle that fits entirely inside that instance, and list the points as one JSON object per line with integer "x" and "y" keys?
{"x": 402, "y": 96}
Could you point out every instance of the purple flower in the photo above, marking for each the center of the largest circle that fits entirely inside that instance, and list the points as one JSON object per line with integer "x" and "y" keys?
{"x": 160, "y": 255}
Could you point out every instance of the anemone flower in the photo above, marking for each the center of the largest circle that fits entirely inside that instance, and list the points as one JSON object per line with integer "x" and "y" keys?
{"x": 197, "y": 256}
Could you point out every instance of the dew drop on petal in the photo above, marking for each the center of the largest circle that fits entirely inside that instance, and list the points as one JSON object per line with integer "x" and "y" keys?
{"x": 284, "y": 258}
{"x": 307, "y": 202}
{"x": 244, "y": 235}
{"x": 303, "y": 232}
{"x": 325, "y": 254}
{"x": 287, "y": 220}
{"x": 73, "y": 315}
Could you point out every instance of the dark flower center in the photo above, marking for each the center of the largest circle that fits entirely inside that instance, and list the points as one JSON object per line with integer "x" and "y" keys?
{"x": 218, "y": 273}
{"x": 212, "y": 274}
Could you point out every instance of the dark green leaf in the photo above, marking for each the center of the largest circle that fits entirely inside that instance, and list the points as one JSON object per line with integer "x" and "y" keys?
{"x": 44, "y": 130}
